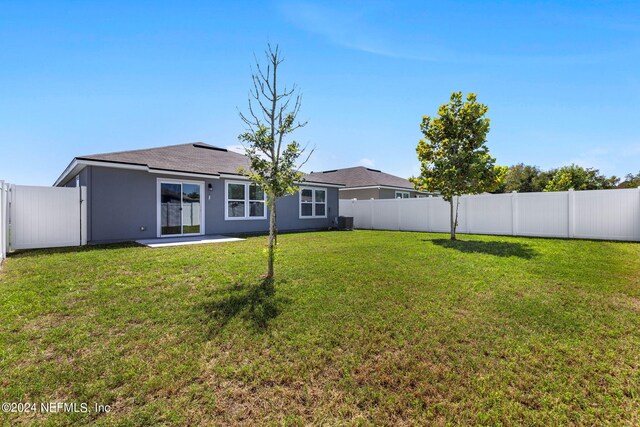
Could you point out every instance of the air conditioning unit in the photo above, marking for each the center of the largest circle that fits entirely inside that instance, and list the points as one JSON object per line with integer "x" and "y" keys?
{"x": 345, "y": 223}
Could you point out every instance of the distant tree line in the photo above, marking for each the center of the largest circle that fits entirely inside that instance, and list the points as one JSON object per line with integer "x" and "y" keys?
{"x": 630, "y": 181}
{"x": 526, "y": 178}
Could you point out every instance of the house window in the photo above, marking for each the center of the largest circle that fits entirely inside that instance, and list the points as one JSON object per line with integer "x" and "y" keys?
{"x": 313, "y": 202}
{"x": 402, "y": 195}
{"x": 244, "y": 201}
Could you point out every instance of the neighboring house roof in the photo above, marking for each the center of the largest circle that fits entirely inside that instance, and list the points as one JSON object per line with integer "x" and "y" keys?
{"x": 360, "y": 176}
{"x": 189, "y": 159}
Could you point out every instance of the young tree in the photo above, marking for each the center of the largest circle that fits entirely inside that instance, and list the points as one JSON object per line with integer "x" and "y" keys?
{"x": 453, "y": 155}
{"x": 580, "y": 178}
{"x": 271, "y": 118}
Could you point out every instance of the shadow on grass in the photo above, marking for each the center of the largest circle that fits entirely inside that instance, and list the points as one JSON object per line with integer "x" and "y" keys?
{"x": 501, "y": 249}
{"x": 256, "y": 304}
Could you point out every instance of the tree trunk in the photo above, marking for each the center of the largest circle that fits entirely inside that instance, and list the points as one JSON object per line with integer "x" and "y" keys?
{"x": 453, "y": 221}
{"x": 454, "y": 216}
{"x": 273, "y": 236}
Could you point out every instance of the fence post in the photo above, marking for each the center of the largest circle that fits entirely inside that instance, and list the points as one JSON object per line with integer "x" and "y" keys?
{"x": 466, "y": 211}
{"x": 353, "y": 211}
{"x": 3, "y": 250}
{"x": 4, "y": 219}
{"x": 571, "y": 213}
{"x": 428, "y": 203}
{"x": 372, "y": 214}
{"x": 514, "y": 213}
{"x": 9, "y": 219}
{"x": 398, "y": 203}
{"x": 83, "y": 216}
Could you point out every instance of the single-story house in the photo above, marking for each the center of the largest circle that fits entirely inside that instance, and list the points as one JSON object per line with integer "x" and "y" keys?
{"x": 365, "y": 183}
{"x": 187, "y": 189}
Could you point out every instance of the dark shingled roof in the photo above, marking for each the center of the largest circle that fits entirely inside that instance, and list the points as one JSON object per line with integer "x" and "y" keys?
{"x": 196, "y": 157}
{"x": 360, "y": 176}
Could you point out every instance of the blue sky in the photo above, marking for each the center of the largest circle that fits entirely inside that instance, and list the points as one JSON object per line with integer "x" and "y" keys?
{"x": 561, "y": 79}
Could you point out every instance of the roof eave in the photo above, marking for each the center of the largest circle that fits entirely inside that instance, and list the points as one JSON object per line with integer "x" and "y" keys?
{"x": 70, "y": 171}
{"x": 321, "y": 184}
{"x": 79, "y": 163}
{"x": 303, "y": 182}
{"x": 388, "y": 187}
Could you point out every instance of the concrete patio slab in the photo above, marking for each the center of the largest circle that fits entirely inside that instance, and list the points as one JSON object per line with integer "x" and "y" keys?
{"x": 187, "y": 240}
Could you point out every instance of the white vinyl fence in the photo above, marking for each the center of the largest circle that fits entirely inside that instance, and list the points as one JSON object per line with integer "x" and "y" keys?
{"x": 41, "y": 217}
{"x": 594, "y": 214}
{"x": 4, "y": 220}
{"x": 172, "y": 213}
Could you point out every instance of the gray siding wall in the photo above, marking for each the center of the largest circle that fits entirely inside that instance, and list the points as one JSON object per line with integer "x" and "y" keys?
{"x": 122, "y": 201}
{"x": 85, "y": 177}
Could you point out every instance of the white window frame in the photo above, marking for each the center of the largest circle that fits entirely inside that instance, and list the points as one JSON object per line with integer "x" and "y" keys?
{"x": 402, "y": 193}
{"x": 313, "y": 203}
{"x": 247, "y": 208}
{"x": 159, "y": 182}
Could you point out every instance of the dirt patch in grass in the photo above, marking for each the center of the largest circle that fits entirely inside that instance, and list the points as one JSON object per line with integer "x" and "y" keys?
{"x": 278, "y": 401}
{"x": 45, "y": 321}
{"x": 626, "y": 302}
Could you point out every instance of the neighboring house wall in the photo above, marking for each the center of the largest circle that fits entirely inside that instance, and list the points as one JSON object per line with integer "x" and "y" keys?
{"x": 387, "y": 193}
{"x": 372, "y": 193}
{"x": 122, "y": 201}
{"x": 360, "y": 194}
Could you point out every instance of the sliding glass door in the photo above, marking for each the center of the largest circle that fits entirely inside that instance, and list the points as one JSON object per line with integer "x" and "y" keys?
{"x": 180, "y": 208}
{"x": 190, "y": 209}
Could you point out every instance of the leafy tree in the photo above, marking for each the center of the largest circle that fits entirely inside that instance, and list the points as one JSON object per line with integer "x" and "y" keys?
{"x": 453, "y": 155}
{"x": 270, "y": 120}
{"x": 524, "y": 179}
{"x": 579, "y": 178}
{"x": 631, "y": 181}
{"x": 543, "y": 179}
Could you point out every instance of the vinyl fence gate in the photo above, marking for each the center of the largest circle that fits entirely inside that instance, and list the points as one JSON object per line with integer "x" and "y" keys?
{"x": 41, "y": 217}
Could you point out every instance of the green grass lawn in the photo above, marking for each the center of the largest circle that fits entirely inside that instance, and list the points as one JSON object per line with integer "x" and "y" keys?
{"x": 360, "y": 327}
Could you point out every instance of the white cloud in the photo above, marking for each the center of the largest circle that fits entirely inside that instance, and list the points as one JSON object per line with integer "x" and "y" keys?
{"x": 237, "y": 148}
{"x": 631, "y": 150}
{"x": 366, "y": 162}
{"x": 610, "y": 161}
{"x": 346, "y": 28}
{"x": 359, "y": 28}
